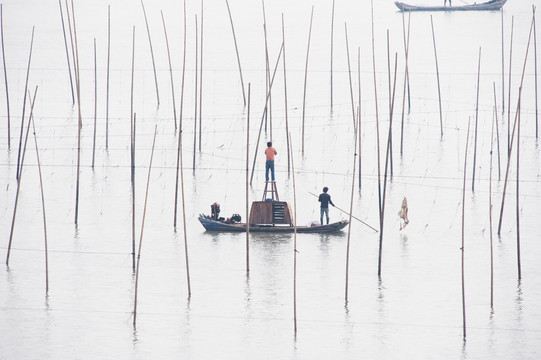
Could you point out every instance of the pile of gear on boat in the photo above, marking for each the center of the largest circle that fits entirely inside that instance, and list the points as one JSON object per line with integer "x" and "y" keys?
{"x": 215, "y": 215}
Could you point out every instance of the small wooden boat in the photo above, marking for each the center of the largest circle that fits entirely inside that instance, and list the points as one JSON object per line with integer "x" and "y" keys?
{"x": 490, "y": 5}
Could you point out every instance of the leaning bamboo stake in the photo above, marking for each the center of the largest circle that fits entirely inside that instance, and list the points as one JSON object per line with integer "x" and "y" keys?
{"x": 494, "y": 120}
{"x": 95, "y": 104}
{"x": 535, "y": 66}
{"x": 437, "y": 74}
{"x": 142, "y": 228}
{"x": 5, "y": 71}
{"x": 237, "y": 50}
{"x": 359, "y": 110}
{"x": 462, "y": 248}
{"x": 349, "y": 74}
{"x": 476, "y": 122}
{"x": 509, "y": 93}
{"x": 19, "y": 180}
{"x": 65, "y": 45}
{"x": 351, "y": 210}
{"x": 332, "y": 47}
{"x": 107, "y": 91}
{"x": 518, "y": 193}
{"x": 306, "y": 76}
{"x": 132, "y": 146}
{"x": 195, "y": 92}
{"x": 497, "y": 131}
{"x": 285, "y": 94}
{"x": 294, "y": 241}
{"x": 248, "y": 185}
{"x": 406, "y": 79}
{"x": 170, "y": 72}
{"x": 24, "y": 103}
{"x": 151, "y": 54}
{"x": 201, "y": 80}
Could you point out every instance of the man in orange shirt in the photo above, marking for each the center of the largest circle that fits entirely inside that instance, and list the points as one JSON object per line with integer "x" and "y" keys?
{"x": 269, "y": 165}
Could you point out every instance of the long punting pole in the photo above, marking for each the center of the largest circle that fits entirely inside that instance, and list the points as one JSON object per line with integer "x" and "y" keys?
{"x": 306, "y": 76}
{"x": 65, "y": 45}
{"x": 142, "y": 228}
{"x": 387, "y": 158}
{"x": 513, "y": 133}
{"x": 6, "y": 74}
{"x": 248, "y": 185}
{"x": 285, "y": 95}
{"x": 180, "y": 121}
{"x": 263, "y": 116}
{"x": 201, "y": 80}
{"x": 437, "y": 74}
{"x": 518, "y": 192}
{"x": 503, "y": 66}
{"x": 349, "y": 74}
{"x": 359, "y": 110}
{"x": 497, "y": 131}
{"x": 494, "y": 120}
{"x": 19, "y": 180}
{"x": 151, "y": 53}
{"x": 24, "y": 103}
{"x": 406, "y": 79}
{"x": 108, "y": 63}
{"x": 132, "y": 146}
{"x": 509, "y": 93}
{"x": 195, "y": 92}
{"x": 294, "y": 241}
{"x": 476, "y": 122}
{"x": 332, "y": 49}
{"x": 390, "y": 105}
{"x": 237, "y": 50}
{"x": 95, "y": 104}
{"x": 170, "y": 72}
{"x": 462, "y": 248}
{"x": 535, "y": 65}
{"x": 80, "y": 118}
{"x": 42, "y": 207}
{"x": 351, "y": 208}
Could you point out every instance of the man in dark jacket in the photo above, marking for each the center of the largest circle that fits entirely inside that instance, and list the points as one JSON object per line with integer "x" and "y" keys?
{"x": 324, "y": 199}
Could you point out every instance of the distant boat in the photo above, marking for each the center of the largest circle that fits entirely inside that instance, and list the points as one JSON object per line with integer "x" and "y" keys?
{"x": 490, "y": 5}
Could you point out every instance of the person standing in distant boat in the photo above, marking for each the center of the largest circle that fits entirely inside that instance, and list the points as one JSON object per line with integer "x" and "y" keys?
{"x": 445, "y": 2}
{"x": 269, "y": 165}
{"x": 325, "y": 200}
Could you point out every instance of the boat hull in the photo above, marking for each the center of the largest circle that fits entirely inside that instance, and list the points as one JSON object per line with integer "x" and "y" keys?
{"x": 491, "y": 5}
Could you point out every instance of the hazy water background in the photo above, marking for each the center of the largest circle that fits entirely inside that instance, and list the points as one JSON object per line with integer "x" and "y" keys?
{"x": 413, "y": 311}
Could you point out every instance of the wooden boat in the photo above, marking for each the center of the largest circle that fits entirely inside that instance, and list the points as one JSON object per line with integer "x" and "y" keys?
{"x": 269, "y": 215}
{"x": 490, "y": 5}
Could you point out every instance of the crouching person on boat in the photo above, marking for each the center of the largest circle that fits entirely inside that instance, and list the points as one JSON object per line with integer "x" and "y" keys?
{"x": 325, "y": 199}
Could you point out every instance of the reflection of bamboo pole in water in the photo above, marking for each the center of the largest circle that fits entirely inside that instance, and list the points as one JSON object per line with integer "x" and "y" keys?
{"x": 294, "y": 240}
{"x": 142, "y": 228}
{"x": 351, "y": 210}
{"x": 306, "y": 77}
{"x": 462, "y": 248}
{"x": 285, "y": 94}
{"x": 518, "y": 192}
{"x": 437, "y": 74}
{"x": 151, "y": 54}
{"x": 476, "y": 123}
{"x": 406, "y": 79}
{"x": 497, "y": 131}
{"x": 237, "y": 50}
{"x": 65, "y": 45}
{"x": 248, "y": 185}
{"x": 6, "y": 74}
{"x": 170, "y": 72}
{"x": 332, "y": 47}
{"x": 201, "y": 80}
{"x": 349, "y": 75}
{"x": 19, "y": 180}
{"x": 494, "y": 120}
{"x": 95, "y": 104}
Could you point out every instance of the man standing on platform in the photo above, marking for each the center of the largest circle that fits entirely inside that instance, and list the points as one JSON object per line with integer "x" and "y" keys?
{"x": 325, "y": 199}
{"x": 269, "y": 165}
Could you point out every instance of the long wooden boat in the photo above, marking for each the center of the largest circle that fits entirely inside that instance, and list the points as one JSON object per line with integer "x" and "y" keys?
{"x": 490, "y": 5}
{"x": 222, "y": 226}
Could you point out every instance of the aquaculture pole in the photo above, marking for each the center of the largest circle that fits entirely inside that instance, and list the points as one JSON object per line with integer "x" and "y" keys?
{"x": 390, "y": 105}
{"x": 351, "y": 210}
{"x": 237, "y": 50}
{"x": 494, "y": 120}
{"x": 142, "y": 228}
{"x": 107, "y": 91}
{"x": 509, "y": 92}
{"x": 151, "y": 53}
{"x": 332, "y": 47}
{"x": 518, "y": 192}
{"x": 462, "y": 248}
{"x": 349, "y": 74}
{"x": 195, "y": 92}
{"x": 65, "y": 44}
{"x": 132, "y": 146}
{"x": 306, "y": 76}
{"x": 95, "y": 103}
{"x": 285, "y": 94}
{"x": 248, "y": 185}
{"x": 5, "y": 71}
{"x": 497, "y": 131}
{"x": 437, "y": 74}
{"x": 359, "y": 110}
{"x": 170, "y": 72}
{"x": 201, "y": 79}
{"x": 503, "y": 66}
{"x": 476, "y": 122}
{"x": 535, "y": 65}
{"x": 406, "y": 80}
{"x": 267, "y": 73}
{"x": 294, "y": 241}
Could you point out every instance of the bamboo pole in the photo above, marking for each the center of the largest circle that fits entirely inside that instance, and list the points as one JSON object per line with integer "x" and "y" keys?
{"x": 19, "y": 180}
{"x": 476, "y": 122}
{"x": 294, "y": 241}
{"x": 462, "y": 248}
{"x": 142, "y": 228}
{"x": 509, "y": 92}
{"x": 497, "y": 131}
{"x": 5, "y": 71}
{"x": 437, "y": 74}
{"x": 248, "y": 185}
{"x": 359, "y": 111}
{"x": 390, "y": 105}
{"x": 494, "y": 120}
{"x": 535, "y": 65}
{"x": 65, "y": 44}
{"x": 95, "y": 103}
{"x": 201, "y": 81}
{"x": 151, "y": 54}
{"x": 351, "y": 210}
{"x": 195, "y": 92}
{"x": 503, "y": 66}
{"x": 349, "y": 74}
{"x": 518, "y": 193}
{"x": 24, "y": 103}
{"x": 306, "y": 77}
{"x": 406, "y": 79}
{"x": 267, "y": 73}
{"x": 237, "y": 50}
{"x": 170, "y": 72}
{"x": 285, "y": 95}
{"x": 332, "y": 48}
{"x": 132, "y": 146}
{"x": 108, "y": 63}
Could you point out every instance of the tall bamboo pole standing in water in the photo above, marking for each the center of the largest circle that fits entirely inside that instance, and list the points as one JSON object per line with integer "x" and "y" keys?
{"x": 95, "y": 103}
{"x": 349, "y": 74}
{"x": 267, "y": 72}
{"x": 170, "y": 72}
{"x": 518, "y": 198}
{"x": 24, "y": 103}
{"x": 359, "y": 109}
{"x": 108, "y": 63}
{"x": 65, "y": 44}
{"x": 351, "y": 208}
{"x": 285, "y": 94}
{"x": 503, "y": 66}
{"x": 294, "y": 241}
{"x": 237, "y": 50}
{"x": 195, "y": 92}
{"x": 476, "y": 122}
{"x": 6, "y": 74}
{"x": 535, "y": 65}
{"x": 509, "y": 93}
{"x": 151, "y": 53}
{"x": 306, "y": 76}
{"x": 132, "y": 148}
{"x": 142, "y": 228}
{"x": 332, "y": 48}
{"x": 201, "y": 80}
{"x": 19, "y": 180}
{"x": 248, "y": 185}
{"x": 497, "y": 131}
{"x": 437, "y": 74}
{"x": 494, "y": 120}
{"x": 390, "y": 105}
{"x": 462, "y": 248}
{"x": 406, "y": 79}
